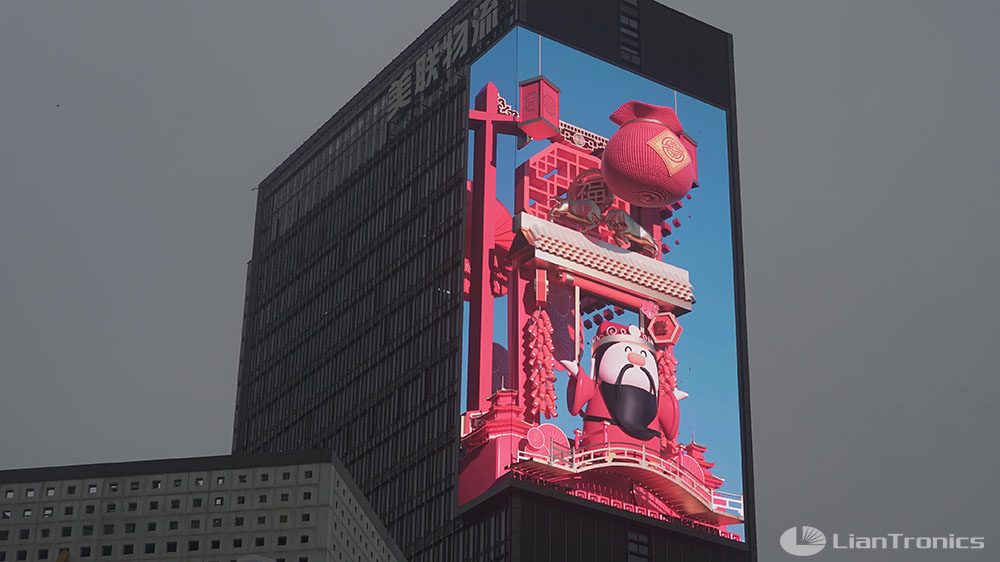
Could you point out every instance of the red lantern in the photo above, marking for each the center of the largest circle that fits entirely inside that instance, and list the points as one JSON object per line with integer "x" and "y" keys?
{"x": 539, "y": 108}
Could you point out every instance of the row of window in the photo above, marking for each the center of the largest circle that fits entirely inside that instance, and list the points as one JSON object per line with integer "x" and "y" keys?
{"x": 109, "y": 529}
{"x": 112, "y": 487}
{"x": 154, "y": 505}
{"x": 147, "y": 548}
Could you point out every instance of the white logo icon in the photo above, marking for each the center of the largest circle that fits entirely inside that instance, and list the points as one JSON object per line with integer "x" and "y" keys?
{"x": 802, "y": 541}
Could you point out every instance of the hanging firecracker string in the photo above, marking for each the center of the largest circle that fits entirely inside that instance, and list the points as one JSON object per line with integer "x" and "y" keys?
{"x": 540, "y": 364}
{"x": 666, "y": 364}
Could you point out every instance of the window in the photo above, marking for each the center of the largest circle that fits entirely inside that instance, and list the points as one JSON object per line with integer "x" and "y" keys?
{"x": 89, "y": 508}
{"x": 128, "y": 549}
{"x": 218, "y": 501}
{"x": 262, "y": 498}
{"x": 304, "y": 539}
{"x": 133, "y": 506}
{"x": 84, "y": 552}
{"x": 111, "y": 508}
{"x": 193, "y": 546}
{"x": 130, "y": 527}
{"x": 171, "y": 546}
{"x": 68, "y": 510}
{"x": 43, "y": 554}
{"x": 154, "y": 505}
{"x": 24, "y": 534}
{"x": 175, "y": 504}
{"x": 5, "y": 514}
{"x": 88, "y": 530}
{"x": 133, "y": 486}
{"x": 282, "y": 541}
{"x": 27, "y": 513}
{"x": 177, "y": 482}
{"x": 217, "y": 522}
{"x": 150, "y": 548}
{"x": 264, "y": 476}
{"x": 156, "y": 484}
{"x": 196, "y": 523}
{"x": 106, "y": 550}
{"x": 151, "y": 526}
{"x": 242, "y": 478}
{"x": 70, "y": 490}
{"x": 45, "y": 533}
{"x": 286, "y": 475}
{"x": 199, "y": 481}
{"x": 67, "y": 532}
{"x": 261, "y": 519}
{"x": 9, "y": 494}
{"x": 29, "y": 493}
{"x": 216, "y": 544}
{"x": 220, "y": 480}
{"x": 22, "y": 554}
{"x": 283, "y": 519}
{"x": 240, "y": 500}
{"x": 259, "y": 541}
{"x": 303, "y": 559}
{"x": 638, "y": 546}
{"x": 113, "y": 486}
{"x": 237, "y": 543}
{"x": 309, "y": 474}
{"x": 172, "y": 525}
{"x": 109, "y": 529}
{"x": 284, "y": 497}
{"x": 239, "y": 521}
{"x": 46, "y": 512}
{"x": 307, "y": 495}
{"x": 196, "y": 502}
{"x": 92, "y": 489}
{"x": 50, "y": 492}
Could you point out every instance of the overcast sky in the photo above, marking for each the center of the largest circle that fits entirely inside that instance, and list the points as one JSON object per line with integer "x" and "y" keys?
{"x": 132, "y": 133}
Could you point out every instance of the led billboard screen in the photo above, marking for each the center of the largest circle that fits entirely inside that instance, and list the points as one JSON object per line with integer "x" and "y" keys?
{"x": 600, "y": 323}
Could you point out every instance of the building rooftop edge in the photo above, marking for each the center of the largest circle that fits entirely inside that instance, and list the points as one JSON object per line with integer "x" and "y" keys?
{"x": 162, "y": 466}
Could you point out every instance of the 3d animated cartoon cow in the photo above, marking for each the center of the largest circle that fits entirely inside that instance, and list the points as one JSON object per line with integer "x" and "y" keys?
{"x": 623, "y": 398}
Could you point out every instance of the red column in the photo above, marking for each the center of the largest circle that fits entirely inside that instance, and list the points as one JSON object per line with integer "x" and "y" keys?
{"x": 485, "y": 122}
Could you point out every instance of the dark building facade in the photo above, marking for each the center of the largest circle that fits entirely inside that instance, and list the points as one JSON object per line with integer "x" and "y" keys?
{"x": 352, "y": 331}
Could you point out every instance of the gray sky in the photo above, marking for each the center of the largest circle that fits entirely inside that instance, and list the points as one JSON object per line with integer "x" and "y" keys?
{"x": 131, "y": 134}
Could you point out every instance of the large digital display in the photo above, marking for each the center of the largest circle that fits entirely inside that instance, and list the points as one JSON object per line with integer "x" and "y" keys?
{"x": 600, "y": 323}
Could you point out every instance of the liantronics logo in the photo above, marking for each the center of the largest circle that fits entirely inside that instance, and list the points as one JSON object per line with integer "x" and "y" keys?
{"x": 803, "y": 540}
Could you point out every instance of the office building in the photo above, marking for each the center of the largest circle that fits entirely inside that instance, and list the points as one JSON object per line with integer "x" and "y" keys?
{"x": 388, "y": 296}
{"x": 290, "y": 507}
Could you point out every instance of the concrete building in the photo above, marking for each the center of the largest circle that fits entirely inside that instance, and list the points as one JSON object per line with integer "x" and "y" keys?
{"x": 291, "y": 507}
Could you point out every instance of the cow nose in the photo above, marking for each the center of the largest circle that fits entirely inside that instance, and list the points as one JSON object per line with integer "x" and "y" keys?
{"x": 636, "y": 359}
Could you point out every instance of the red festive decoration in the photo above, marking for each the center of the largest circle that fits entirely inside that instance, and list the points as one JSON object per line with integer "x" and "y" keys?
{"x": 666, "y": 365}
{"x": 665, "y": 329}
{"x": 649, "y": 161}
{"x": 540, "y": 364}
{"x": 539, "y": 108}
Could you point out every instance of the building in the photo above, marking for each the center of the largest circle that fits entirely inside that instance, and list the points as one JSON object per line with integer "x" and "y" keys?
{"x": 372, "y": 248}
{"x": 293, "y": 507}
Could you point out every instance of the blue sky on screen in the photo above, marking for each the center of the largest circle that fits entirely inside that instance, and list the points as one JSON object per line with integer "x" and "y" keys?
{"x": 590, "y": 91}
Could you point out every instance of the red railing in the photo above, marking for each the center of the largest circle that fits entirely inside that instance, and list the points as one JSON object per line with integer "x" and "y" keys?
{"x": 632, "y": 455}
